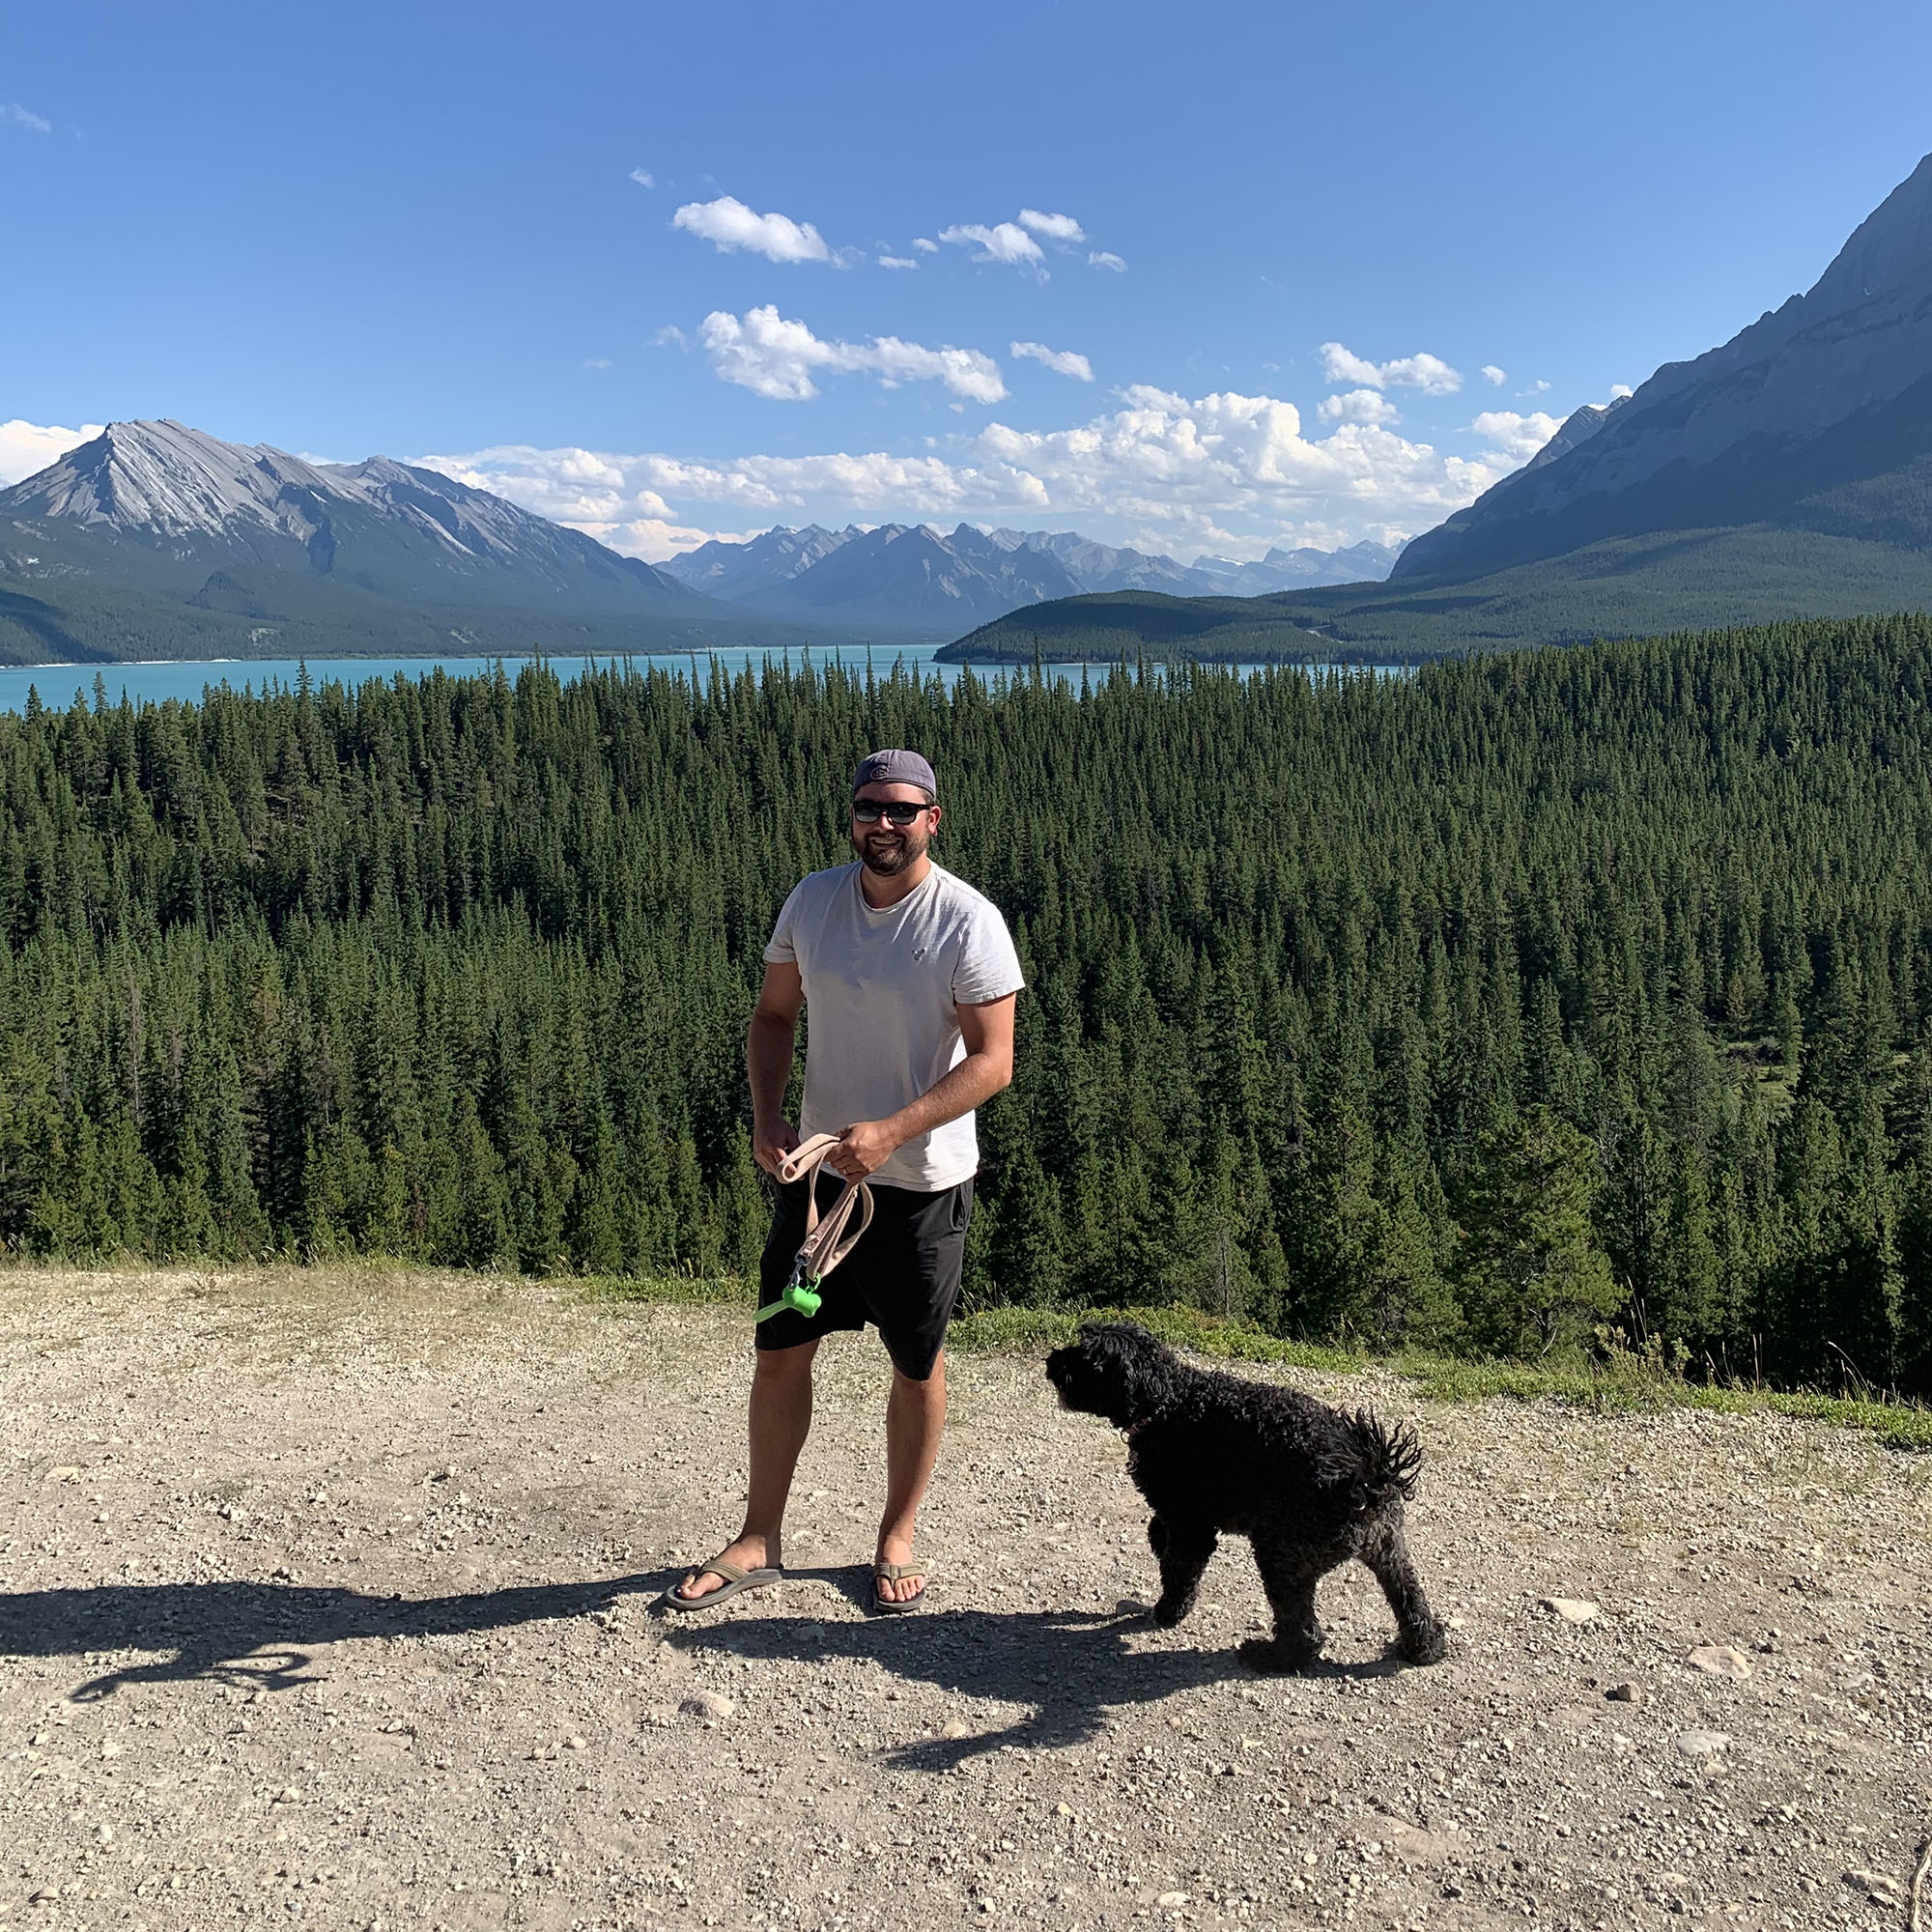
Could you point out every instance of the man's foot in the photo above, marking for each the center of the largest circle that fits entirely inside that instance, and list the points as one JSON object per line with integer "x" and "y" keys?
{"x": 747, "y": 1552}
{"x": 907, "y": 1583}
{"x": 892, "y": 1577}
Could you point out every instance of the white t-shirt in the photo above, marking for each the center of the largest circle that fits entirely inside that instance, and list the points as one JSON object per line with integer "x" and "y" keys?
{"x": 882, "y": 992}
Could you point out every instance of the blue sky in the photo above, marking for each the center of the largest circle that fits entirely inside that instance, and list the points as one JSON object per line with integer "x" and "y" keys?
{"x": 629, "y": 264}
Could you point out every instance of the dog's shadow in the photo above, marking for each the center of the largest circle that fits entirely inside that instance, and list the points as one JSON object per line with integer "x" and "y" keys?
{"x": 1076, "y": 1668}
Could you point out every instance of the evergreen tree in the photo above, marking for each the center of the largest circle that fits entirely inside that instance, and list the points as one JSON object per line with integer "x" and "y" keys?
{"x": 1530, "y": 1275}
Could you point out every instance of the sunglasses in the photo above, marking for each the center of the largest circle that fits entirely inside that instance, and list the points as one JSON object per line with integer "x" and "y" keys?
{"x": 870, "y": 811}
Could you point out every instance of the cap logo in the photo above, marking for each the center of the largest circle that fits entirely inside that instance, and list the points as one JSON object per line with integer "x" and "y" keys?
{"x": 896, "y": 767}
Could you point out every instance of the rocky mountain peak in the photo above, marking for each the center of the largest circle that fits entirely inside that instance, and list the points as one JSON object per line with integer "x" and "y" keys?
{"x": 1791, "y": 423}
{"x": 167, "y": 477}
{"x": 1889, "y": 249}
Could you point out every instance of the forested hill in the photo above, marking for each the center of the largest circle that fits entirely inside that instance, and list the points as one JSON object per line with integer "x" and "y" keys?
{"x": 1476, "y": 1008}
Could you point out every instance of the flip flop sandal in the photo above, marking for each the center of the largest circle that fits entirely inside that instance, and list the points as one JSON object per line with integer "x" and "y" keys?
{"x": 737, "y": 1580}
{"x": 892, "y": 1573}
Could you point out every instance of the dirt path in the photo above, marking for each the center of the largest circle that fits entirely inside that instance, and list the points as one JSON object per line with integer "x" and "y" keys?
{"x": 325, "y": 1599}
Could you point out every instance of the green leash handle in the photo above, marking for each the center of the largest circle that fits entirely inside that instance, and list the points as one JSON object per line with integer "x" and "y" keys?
{"x": 794, "y": 1297}
{"x": 829, "y": 1240}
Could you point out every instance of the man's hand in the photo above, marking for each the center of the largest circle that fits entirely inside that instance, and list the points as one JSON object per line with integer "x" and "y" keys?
{"x": 771, "y": 1143}
{"x": 864, "y": 1148}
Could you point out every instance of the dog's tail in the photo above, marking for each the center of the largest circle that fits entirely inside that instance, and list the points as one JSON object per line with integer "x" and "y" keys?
{"x": 1380, "y": 1461}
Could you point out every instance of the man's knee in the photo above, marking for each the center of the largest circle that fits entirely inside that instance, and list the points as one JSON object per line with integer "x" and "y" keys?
{"x": 932, "y": 1381}
{"x": 785, "y": 1368}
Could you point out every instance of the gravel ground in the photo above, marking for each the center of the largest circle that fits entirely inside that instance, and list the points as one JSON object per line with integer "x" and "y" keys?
{"x": 327, "y": 1598}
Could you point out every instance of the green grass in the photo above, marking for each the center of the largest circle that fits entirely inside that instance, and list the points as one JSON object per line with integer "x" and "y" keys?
{"x": 1898, "y": 1425}
{"x": 1625, "y": 1385}
{"x": 689, "y": 1290}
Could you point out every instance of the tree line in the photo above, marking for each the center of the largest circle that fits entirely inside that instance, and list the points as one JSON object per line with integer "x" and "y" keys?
{"x": 1477, "y": 1010}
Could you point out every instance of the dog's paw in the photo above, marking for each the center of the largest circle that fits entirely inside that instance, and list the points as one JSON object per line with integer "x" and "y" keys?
{"x": 1424, "y": 1646}
{"x": 1277, "y": 1659}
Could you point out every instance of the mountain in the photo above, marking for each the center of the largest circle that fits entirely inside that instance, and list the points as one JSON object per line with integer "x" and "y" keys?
{"x": 1624, "y": 587}
{"x": 913, "y": 578}
{"x": 1131, "y": 623}
{"x": 1816, "y": 418}
{"x": 1296, "y": 569}
{"x": 1787, "y": 475}
{"x": 1098, "y": 567}
{"x": 738, "y": 570}
{"x": 898, "y": 579}
{"x": 157, "y": 540}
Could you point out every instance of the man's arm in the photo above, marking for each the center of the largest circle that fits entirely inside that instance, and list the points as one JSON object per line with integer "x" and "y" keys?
{"x": 987, "y": 1029}
{"x": 768, "y": 1058}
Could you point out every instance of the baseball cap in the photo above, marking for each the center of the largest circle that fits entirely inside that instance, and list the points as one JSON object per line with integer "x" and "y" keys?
{"x": 904, "y": 767}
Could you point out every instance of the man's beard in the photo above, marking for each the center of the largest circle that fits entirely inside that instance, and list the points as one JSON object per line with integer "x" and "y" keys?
{"x": 888, "y": 854}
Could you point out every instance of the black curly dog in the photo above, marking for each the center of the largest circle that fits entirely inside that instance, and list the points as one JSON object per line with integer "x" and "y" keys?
{"x": 1308, "y": 1485}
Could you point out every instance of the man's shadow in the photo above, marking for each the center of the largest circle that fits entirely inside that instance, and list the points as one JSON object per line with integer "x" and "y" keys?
{"x": 263, "y": 1634}
{"x": 1072, "y": 1667}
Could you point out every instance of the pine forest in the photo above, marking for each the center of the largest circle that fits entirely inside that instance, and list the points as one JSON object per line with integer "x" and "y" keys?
{"x": 1494, "y": 1008}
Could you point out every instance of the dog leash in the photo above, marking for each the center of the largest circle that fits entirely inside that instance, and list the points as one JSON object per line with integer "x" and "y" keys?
{"x": 826, "y": 1242}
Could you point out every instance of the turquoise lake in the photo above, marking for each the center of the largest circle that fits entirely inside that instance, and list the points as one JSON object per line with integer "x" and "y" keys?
{"x": 156, "y": 683}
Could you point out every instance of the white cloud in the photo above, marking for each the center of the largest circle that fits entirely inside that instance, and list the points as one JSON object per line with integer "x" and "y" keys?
{"x": 622, "y": 500}
{"x": 26, "y": 448}
{"x": 1539, "y": 387}
{"x": 596, "y": 361}
{"x": 771, "y": 355}
{"x": 1428, "y": 373}
{"x": 1062, "y": 361}
{"x": 1516, "y": 436}
{"x": 1359, "y": 406}
{"x": 642, "y": 179}
{"x": 1491, "y": 374}
{"x": 729, "y": 224}
{"x": 1621, "y": 389}
{"x": 1105, "y": 258}
{"x": 1162, "y": 457}
{"x": 670, "y": 335}
{"x": 1222, "y": 473}
{"x": 25, "y": 117}
{"x": 924, "y": 247}
{"x": 897, "y": 261}
{"x": 1055, "y": 227}
{"x": 1006, "y": 242}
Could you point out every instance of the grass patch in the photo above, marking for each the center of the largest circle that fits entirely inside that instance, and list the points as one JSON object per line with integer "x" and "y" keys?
{"x": 1897, "y": 1425}
{"x": 686, "y": 1290}
{"x": 1625, "y": 1386}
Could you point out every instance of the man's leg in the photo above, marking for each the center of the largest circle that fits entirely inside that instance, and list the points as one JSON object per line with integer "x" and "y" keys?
{"x": 915, "y": 1418}
{"x": 781, "y": 1420}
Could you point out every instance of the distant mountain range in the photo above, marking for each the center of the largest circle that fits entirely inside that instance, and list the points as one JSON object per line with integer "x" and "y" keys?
{"x": 1294, "y": 570}
{"x": 912, "y": 579}
{"x": 1787, "y": 473}
{"x": 155, "y": 540}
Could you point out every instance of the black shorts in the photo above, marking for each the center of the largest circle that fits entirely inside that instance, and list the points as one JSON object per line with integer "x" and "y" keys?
{"x": 903, "y": 1278}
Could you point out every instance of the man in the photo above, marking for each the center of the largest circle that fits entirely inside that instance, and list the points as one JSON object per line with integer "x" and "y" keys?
{"x": 911, "y": 980}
